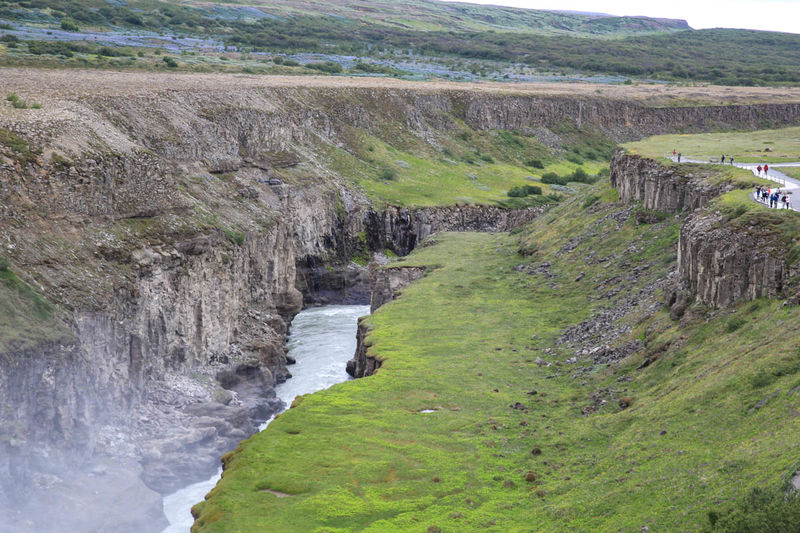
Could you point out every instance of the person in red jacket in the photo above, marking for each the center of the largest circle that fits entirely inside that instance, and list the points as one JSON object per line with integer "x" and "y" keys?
{"x": 759, "y": 169}
{"x": 766, "y": 169}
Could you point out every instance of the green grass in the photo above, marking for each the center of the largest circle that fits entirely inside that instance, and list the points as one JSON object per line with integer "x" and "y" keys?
{"x": 398, "y": 174}
{"x": 26, "y": 318}
{"x": 745, "y": 147}
{"x": 464, "y": 341}
{"x": 792, "y": 172}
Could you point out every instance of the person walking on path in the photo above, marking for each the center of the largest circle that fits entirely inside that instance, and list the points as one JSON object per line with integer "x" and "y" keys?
{"x": 730, "y": 160}
{"x": 759, "y": 169}
{"x": 723, "y": 159}
{"x": 785, "y": 200}
{"x": 766, "y": 169}
{"x": 674, "y": 153}
{"x": 679, "y": 157}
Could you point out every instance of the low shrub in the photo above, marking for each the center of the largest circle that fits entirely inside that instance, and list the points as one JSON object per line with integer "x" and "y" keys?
{"x": 735, "y": 323}
{"x": 388, "y": 174}
{"x": 69, "y": 25}
{"x": 5, "y": 265}
{"x": 762, "y": 510}
{"x": 552, "y": 178}
{"x": 171, "y": 63}
{"x": 330, "y": 67}
{"x": 521, "y": 191}
{"x": 535, "y": 163}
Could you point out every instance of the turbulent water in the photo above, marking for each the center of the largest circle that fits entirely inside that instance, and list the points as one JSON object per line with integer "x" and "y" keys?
{"x": 322, "y": 339}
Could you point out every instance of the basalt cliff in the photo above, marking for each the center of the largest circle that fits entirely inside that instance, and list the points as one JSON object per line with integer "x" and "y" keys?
{"x": 169, "y": 235}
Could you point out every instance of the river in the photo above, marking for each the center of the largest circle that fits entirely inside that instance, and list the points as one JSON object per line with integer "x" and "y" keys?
{"x": 321, "y": 340}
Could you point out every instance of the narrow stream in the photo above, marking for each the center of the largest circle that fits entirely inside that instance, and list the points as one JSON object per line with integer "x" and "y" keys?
{"x": 322, "y": 339}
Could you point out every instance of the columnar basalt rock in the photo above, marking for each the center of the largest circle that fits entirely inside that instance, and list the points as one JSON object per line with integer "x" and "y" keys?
{"x": 660, "y": 187}
{"x": 721, "y": 265}
{"x": 402, "y": 229}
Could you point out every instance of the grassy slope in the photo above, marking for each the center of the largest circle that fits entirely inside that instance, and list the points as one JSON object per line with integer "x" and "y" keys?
{"x": 479, "y": 169}
{"x": 746, "y": 147}
{"x": 26, "y": 318}
{"x": 361, "y": 457}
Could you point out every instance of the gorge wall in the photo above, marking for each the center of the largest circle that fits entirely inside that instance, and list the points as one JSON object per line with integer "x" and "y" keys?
{"x": 178, "y": 230}
{"x": 720, "y": 261}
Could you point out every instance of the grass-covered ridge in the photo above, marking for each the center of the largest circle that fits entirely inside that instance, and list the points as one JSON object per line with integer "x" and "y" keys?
{"x": 707, "y": 417}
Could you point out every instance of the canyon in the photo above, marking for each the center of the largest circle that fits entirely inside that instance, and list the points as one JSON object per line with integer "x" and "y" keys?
{"x": 174, "y": 231}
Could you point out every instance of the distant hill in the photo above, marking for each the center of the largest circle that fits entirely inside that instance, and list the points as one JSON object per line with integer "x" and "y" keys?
{"x": 406, "y": 38}
{"x": 434, "y": 15}
{"x": 412, "y": 15}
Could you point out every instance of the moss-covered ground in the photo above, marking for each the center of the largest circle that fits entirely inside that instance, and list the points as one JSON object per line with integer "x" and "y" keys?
{"x": 713, "y": 413}
{"x": 770, "y": 146}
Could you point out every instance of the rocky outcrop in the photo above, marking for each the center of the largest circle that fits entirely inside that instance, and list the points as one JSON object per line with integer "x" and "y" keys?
{"x": 622, "y": 120}
{"x": 659, "y": 187}
{"x": 386, "y": 283}
{"x": 363, "y": 363}
{"x": 720, "y": 264}
{"x": 401, "y": 229}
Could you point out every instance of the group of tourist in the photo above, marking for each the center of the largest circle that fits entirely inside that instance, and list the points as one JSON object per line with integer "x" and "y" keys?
{"x": 774, "y": 198}
{"x": 765, "y": 168}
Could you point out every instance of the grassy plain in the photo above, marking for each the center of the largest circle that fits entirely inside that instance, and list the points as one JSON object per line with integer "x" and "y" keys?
{"x": 710, "y": 416}
{"x": 768, "y": 146}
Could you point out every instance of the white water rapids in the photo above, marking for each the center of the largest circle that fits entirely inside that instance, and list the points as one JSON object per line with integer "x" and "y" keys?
{"x": 322, "y": 339}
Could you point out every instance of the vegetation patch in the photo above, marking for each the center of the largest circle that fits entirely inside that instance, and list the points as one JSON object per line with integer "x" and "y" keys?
{"x": 511, "y": 400}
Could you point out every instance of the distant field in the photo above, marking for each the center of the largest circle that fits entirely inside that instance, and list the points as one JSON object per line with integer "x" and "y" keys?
{"x": 399, "y": 38}
{"x": 746, "y": 147}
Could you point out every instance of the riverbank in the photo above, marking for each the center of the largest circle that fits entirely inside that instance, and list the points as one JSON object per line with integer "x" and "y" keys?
{"x": 532, "y": 380}
{"x": 321, "y": 340}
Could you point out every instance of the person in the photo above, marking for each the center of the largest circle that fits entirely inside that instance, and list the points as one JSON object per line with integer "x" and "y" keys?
{"x": 723, "y": 159}
{"x": 674, "y": 153}
{"x": 785, "y": 200}
{"x": 679, "y": 157}
{"x": 730, "y": 159}
{"x": 766, "y": 169}
{"x": 788, "y": 202}
{"x": 758, "y": 193}
{"x": 759, "y": 169}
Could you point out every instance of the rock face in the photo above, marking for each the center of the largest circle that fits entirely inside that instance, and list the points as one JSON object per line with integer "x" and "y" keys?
{"x": 401, "y": 229}
{"x": 387, "y": 283}
{"x": 721, "y": 265}
{"x": 670, "y": 189}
